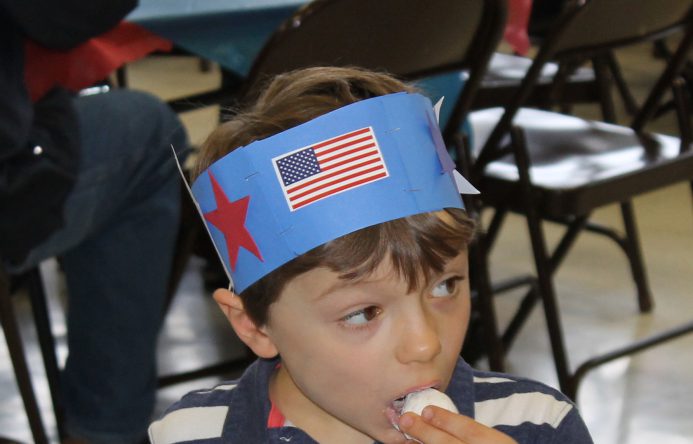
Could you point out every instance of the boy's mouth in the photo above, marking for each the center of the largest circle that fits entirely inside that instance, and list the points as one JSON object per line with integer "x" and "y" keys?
{"x": 398, "y": 405}
{"x": 394, "y": 410}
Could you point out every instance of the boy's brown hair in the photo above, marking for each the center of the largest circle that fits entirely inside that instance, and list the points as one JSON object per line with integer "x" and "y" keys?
{"x": 417, "y": 246}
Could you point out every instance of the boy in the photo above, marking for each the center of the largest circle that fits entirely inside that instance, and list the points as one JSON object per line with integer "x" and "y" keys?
{"x": 343, "y": 231}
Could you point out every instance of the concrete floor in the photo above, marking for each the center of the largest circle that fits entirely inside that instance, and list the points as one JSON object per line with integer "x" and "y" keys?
{"x": 636, "y": 400}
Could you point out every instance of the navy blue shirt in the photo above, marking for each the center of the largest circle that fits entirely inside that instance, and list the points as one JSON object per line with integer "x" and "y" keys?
{"x": 238, "y": 411}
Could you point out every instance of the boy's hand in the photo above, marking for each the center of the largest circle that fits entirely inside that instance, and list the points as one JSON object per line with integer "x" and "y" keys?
{"x": 439, "y": 426}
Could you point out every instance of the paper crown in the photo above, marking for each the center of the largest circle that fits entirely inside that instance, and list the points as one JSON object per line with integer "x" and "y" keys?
{"x": 363, "y": 164}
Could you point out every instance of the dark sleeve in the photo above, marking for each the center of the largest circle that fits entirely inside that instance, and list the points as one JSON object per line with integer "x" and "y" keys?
{"x": 62, "y": 24}
{"x": 572, "y": 430}
{"x": 36, "y": 178}
{"x": 34, "y": 183}
{"x": 40, "y": 143}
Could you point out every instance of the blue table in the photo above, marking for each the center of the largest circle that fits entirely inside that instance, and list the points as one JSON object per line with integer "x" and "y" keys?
{"x": 229, "y": 32}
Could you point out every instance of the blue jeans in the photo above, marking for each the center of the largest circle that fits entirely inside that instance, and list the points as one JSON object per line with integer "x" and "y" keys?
{"x": 116, "y": 248}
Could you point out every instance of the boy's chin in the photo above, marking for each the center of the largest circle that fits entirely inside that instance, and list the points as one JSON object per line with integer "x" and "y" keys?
{"x": 391, "y": 436}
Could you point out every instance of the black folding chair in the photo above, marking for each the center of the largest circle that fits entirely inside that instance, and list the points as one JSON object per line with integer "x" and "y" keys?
{"x": 559, "y": 168}
{"x": 561, "y": 84}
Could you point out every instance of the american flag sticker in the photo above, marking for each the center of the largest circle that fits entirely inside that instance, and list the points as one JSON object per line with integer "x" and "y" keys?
{"x": 333, "y": 166}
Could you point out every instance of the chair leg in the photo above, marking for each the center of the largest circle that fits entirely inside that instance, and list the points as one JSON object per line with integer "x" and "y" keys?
{"x": 529, "y": 301}
{"x": 188, "y": 232}
{"x": 39, "y": 306}
{"x": 637, "y": 265}
{"x": 547, "y": 292}
{"x": 21, "y": 369}
{"x": 493, "y": 344}
{"x": 494, "y": 227}
{"x": 683, "y": 114}
{"x": 628, "y": 100}
{"x": 122, "y": 77}
{"x": 544, "y": 268}
{"x": 604, "y": 82}
{"x": 531, "y": 297}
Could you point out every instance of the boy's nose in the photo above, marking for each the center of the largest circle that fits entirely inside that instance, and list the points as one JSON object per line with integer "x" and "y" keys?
{"x": 418, "y": 341}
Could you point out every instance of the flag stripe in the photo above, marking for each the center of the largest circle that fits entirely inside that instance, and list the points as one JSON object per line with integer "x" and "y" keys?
{"x": 355, "y": 157}
{"x": 340, "y": 138}
{"x": 330, "y": 175}
{"x": 365, "y": 155}
{"x": 335, "y": 185}
{"x": 331, "y": 149}
{"x": 343, "y": 154}
{"x": 344, "y": 179}
{"x": 351, "y": 185}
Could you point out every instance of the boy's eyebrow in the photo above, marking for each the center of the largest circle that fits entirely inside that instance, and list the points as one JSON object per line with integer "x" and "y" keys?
{"x": 344, "y": 282}
{"x": 340, "y": 284}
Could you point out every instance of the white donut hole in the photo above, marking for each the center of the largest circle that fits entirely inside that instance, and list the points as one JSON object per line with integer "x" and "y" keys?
{"x": 417, "y": 401}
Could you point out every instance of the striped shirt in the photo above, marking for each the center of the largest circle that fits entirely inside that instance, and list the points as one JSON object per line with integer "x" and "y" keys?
{"x": 239, "y": 411}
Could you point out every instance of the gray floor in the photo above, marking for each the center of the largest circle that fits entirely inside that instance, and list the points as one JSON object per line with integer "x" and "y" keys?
{"x": 641, "y": 399}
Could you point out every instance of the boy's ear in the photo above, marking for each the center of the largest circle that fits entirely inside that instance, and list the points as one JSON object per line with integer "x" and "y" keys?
{"x": 253, "y": 336}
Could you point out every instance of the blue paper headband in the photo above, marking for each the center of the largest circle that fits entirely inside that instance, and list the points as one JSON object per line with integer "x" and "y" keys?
{"x": 364, "y": 164}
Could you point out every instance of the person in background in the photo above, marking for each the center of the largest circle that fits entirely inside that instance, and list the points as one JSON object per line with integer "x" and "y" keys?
{"x": 90, "y": 180}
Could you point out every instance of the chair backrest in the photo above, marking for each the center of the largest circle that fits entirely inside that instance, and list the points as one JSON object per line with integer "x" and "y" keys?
{"x": 591, "y": 27}
{"x": 599, "y": 25}
{"x": 410, "y": 39}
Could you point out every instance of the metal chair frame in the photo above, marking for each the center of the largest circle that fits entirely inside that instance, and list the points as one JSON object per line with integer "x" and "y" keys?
{"x": 565, "y": 42}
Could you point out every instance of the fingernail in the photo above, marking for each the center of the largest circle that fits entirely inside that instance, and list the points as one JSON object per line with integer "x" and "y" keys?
{"x": 406, "y": 421}
{"x": 427, "y": 413}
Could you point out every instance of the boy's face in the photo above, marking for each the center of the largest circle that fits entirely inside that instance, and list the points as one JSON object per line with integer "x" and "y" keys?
{"x": 350, "y": 349}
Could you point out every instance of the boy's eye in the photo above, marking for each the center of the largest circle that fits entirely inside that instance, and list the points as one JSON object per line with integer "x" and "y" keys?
{"x": 446, "y": 288}
{"x": 362, "y": 316}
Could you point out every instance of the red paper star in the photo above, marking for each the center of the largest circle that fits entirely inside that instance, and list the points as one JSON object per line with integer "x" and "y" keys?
{"x": 229, "y": 218}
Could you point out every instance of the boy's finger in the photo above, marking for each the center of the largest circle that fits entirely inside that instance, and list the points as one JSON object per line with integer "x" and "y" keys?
{"x": 414, "y": 426}
{"x": 463, "y": 428}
